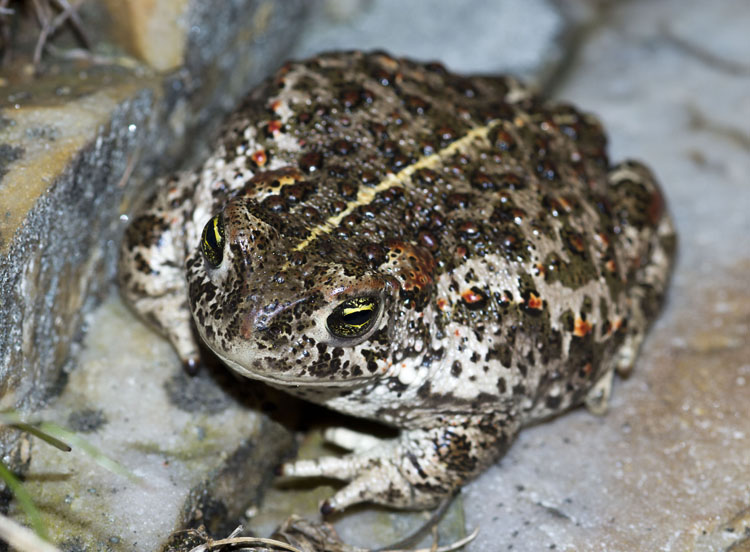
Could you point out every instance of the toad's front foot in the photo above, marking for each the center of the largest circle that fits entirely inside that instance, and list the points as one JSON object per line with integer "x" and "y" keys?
{"x": 415, "y": 471}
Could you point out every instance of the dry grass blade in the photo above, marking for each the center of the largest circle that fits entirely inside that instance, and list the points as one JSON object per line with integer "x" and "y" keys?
{"x": 448, "y": 548}
{"x": 23, "y": 539}
{"x": 244, "y": 540}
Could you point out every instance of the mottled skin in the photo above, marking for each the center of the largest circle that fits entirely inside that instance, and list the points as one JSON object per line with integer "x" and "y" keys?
{"x": 506, "y": 268}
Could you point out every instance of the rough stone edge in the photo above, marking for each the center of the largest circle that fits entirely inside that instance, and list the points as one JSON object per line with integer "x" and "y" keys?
{"x": 218, "y": 504}
{"x": 34, "y": 337}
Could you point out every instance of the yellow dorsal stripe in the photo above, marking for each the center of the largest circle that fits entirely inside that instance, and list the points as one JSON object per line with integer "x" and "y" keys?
{"x": 366, "y": 195}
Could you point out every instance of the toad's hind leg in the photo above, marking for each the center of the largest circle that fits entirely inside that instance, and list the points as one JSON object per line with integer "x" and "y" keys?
{"x": 648, "y": 242}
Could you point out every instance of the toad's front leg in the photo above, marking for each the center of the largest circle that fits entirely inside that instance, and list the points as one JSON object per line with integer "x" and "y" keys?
{"x": 151, "y": 275}
{"x": 416, "y": 470}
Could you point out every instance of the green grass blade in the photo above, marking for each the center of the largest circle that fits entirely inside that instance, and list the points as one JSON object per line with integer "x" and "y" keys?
{"x": 36, "y": 432}
{"x": 79, "y": 442}
{"x": 64, "y": 439}
{"x": 11, "y": 418}
{"x": 23, "y": 498}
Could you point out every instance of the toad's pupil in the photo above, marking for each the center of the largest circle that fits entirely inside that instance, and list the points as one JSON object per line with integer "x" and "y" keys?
{"x": 359, "y": 317}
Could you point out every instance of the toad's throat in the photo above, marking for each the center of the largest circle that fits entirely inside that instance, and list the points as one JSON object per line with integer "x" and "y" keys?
{"x": 365, "y": 196}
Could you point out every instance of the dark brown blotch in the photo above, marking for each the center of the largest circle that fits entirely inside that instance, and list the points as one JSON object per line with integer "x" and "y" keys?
{"x": 311, "y": 162}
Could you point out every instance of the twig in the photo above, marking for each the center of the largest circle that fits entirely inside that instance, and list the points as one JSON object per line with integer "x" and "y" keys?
{"x": 40, "y": 8}
{"x": 75, "y": 19}
{"x": 129, "y": 168}
{"x": 244, "y": 540}
{"x": 448, "y": 548}
{"x": 22, "y": 538}
{"x": 5, "y": 11}
{"x": 416, "y": 536}
{"x": 232, "y": 540}
{"x": 50, "y": 25}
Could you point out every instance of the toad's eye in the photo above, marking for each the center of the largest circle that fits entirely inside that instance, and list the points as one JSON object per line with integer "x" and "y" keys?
{"x": 353, "y": 317}
{"x": 212, "y": 241}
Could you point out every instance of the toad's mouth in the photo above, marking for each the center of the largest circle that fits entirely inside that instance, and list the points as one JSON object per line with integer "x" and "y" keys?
{"x": 279, "y": 379}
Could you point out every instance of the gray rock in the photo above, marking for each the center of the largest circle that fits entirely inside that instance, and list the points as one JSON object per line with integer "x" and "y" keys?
{"x": 524, "y": 37}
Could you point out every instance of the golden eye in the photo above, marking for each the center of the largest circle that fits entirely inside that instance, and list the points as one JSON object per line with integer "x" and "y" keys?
{"x": 353, "y": 317}
{"x": 212, "y": 241}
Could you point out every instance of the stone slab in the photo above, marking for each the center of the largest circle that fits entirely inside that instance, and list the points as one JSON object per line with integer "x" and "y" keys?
{"x": 200, "y": 447}
{"x": 528, "y": 38}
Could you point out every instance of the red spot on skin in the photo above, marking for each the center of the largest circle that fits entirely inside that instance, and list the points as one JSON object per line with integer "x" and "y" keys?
{"x": 470, "y": 296}
{"x": 260, "y": 158}
{"x": 457, "y": 333}
{"x": 565, "y": 204}
{"x": 581, "y": 328}
{"x": 274, "y": 127}
{"x": 534, "y": 302}
{"x": 655, "y": 207}
{"x": 576, "y": 241}
{"x": 417, "y": 265}
{"x": 442, "y": 303}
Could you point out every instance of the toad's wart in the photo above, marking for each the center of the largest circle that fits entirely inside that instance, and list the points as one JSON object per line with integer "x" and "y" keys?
{"x": 449, "y": 255}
